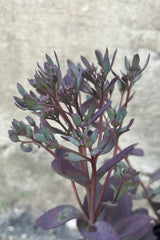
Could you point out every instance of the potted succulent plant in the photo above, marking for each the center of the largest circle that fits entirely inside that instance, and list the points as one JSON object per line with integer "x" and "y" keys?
{"x": 91, "y": 124}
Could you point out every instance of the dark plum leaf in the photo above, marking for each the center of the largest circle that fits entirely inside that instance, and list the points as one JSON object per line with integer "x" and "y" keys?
{"x": 155, "y": 176}
{"x": 113, "y": 161}
{"x": 100, "y": 231}
{"x": 58, "y": 216}
{"x": 134, "y": 227}
{"x": 26, "y": 149}
{"x": 100, "y": 112}
{"x": 67, "y": 170}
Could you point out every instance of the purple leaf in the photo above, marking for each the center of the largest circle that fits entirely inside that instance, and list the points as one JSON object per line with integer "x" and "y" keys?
{"x": 113, "y": 161}
{"x": 134, "y": 227}
{"x": 100, "y": 231}
{"x": 119, "y": 212}
{"x": 155, "y": 176}
{"x": 87, "y": 103}
{"x": 58, "y": 216}
{"x": 73, "y": 68}
{"x": 137, "y": 152}
{"x": 99, "y": 57}
{"x": 100, "y": 112}
{"x": 68, "y": 82}
{"x": 67, "y": 170}
{"x": 86, "y": 63}
{"x": 113, "y": 58}
{"x": 111, "y": 84}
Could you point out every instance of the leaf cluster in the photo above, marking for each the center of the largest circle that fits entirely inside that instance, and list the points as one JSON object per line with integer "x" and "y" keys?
{"x": 91, "y": 124}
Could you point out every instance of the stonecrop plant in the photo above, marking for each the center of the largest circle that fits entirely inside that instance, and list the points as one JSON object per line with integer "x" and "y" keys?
{"x": 80, "y": 110}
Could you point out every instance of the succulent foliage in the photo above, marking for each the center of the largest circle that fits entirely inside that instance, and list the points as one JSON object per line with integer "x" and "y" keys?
{"x": 79, "y": 108}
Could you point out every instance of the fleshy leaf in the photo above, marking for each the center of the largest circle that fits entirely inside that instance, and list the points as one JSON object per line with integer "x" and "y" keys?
{"x": 106, "y": 63}
{"x": 73, "y": 157}
{"x": 13, "y": 136}
{"x": 121, "y": 114}
{"x": 100, "y": 112}
{"x": 85, "y": 61}
{"x": 58, "y": 216}
{"x": 73, "y": 68}
{"x": 26, "y": 148}
{"x": 135, "y": 62}
{"x": 137, "y": 152}
{"x": 126, "y": 63}
{"x": 31, "y": 121}
{"x": 113, "y": 161}
{"x": 134, "y": 227}
{"x": 76, "y": 119}
{"x": 99, "y": 57}
{"x": 67, "y": 170}
{"x": 21, "y": 90}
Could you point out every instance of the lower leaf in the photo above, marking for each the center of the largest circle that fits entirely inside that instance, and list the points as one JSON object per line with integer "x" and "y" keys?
{"x": 58, "y": 216}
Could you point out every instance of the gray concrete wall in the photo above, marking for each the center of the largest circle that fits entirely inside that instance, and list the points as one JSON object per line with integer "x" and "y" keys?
{"x": 31, "y": 28}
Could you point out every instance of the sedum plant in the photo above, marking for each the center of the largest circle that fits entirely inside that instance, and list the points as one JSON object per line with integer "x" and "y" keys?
{"x": 91, "y": 124}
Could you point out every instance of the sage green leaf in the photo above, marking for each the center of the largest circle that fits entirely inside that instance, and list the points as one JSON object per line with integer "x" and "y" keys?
{"x": 135, "y": 62}
{"x": 13, "y": 136}
{"x": 21, "y": 90}
{"x": 126, "y": 63}
{"x": 76, "y": 119}
{"x": 73, "y": 157}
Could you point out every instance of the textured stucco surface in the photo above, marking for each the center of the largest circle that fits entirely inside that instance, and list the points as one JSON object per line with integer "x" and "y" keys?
{"x": 31, "y": 28}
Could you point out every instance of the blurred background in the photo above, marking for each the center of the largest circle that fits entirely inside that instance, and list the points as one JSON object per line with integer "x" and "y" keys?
{"x": 31, "y": 28}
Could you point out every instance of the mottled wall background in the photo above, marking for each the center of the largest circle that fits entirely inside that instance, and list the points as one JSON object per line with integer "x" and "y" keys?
{"x": 31, "y": 28}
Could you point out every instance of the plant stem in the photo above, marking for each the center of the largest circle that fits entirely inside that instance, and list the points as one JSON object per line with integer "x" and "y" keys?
{"x": 79, "y": 201}
{"x": 93, "y": 191}
{"x": 103, "y": 191}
